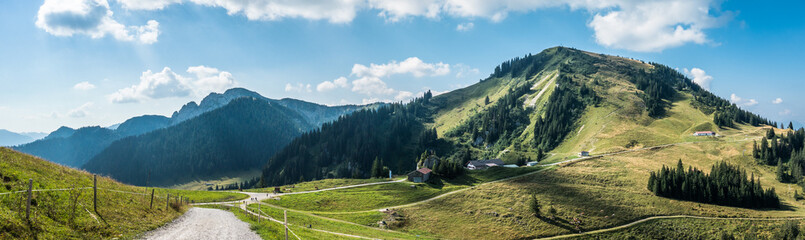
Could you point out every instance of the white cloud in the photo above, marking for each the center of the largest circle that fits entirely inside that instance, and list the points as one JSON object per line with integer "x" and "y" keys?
{"x": 340, "y": 82}
{"x": 167, "y": 83}
{"x": 80, "y": 112}
{"x": 404, "y": 95}
{"x": 785, "y": 112}
{"x": 777, "y": 101}
{"x": 336, "y": 11}
{"x": 84, "y": 86}
{"x": 652, "y": 26}
{"x": 92, "y": 18}
{"x": 463, "y": 27}
{"x": 299, "y": 87}
{"x": 412, "y": 65}
{"x": 646, "y": 26}
{"x": 700, "y": 77}
{"x": 371, "y": 86}
{"x": 742, "y": 102}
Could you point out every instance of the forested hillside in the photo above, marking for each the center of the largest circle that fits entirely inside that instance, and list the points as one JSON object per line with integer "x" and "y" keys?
{"x": 74, "y": 148}
{"x": 528, "y": 106}
{"x": 236, "y": 137}
{"x": 348, "y": 146}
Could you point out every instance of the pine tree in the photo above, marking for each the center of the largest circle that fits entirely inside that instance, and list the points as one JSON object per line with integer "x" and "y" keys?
{"x": 534, "y": 205}
{"x": 780, "y": 171}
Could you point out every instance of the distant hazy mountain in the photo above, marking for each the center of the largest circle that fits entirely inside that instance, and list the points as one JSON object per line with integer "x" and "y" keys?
{"x": 237, "y": 137}
{"x": 62, "y": 132}
{"x": 8, "y": 138}
{"x": 92, "y": 141}
{"x": 35, "y": 135}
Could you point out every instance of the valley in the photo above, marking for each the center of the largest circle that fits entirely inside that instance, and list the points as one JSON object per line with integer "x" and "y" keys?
{"x": 580, "y": 135}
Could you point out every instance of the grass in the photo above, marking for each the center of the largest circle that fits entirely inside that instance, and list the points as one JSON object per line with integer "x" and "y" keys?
{"x": 224, "y": 180}
{"x": 272, "y": 230}
{"x": 388, "y": 195}
{"x": 321, "y": 184}
{"x": 602, "y": 192}
{"x": 698, "y": 229}
{"x": 53, "y": 214}
{"x": 305, "y": 220}
{"x": 363, "y": 198}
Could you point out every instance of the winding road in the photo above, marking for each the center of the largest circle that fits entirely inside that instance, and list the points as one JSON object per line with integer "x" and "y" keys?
{"x": 202, "y": 223}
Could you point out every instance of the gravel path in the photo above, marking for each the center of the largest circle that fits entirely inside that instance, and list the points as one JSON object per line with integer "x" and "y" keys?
{"x": 204, "y": 223}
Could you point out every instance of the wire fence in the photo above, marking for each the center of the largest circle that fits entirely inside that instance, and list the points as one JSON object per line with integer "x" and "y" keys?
{"x": 79, "y": 207}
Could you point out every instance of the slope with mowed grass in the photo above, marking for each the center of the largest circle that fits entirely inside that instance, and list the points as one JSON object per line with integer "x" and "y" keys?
{"x": 369, "y": 198}
{"x": 321, "y": 184}
{"x": 685, "y": 228}
{"x": 122, "y": 210}
{"x": 600, "y": 192}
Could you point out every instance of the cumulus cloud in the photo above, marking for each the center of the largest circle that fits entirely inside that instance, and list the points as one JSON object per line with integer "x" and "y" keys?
{"x": 652, "y": 26}
{"x": 325, "y": 86}
{"x": 777, "y": 101}
{"x": 167, "y": 83}
{"x": 369, "y": 77}
{"x": 336, "y": 11}
{"x": 84, "y": 86}
{"x": 700, "y": 77}
{"x": 412, "y": 65}
{"x": 299, "y": 87}
{"x": 80, "y": 111}
{"x": 646, "y": 26}
{"x": 92, "y": 18}
{"x": 463, "y": 27}
{"x": 742, "y": 102}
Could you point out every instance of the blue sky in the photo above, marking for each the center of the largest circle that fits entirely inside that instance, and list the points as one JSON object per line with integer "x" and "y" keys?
{"x": 98, "y": 62}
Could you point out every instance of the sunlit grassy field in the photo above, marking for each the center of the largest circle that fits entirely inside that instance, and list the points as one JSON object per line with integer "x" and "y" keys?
{"x": 70, "y": 214}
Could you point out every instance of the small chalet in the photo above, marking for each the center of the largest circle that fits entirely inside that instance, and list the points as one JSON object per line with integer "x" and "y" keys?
{"x": 584, "y": 154}
{"x": 420, "y": 175}
{"x": 484, "y": 164}
{"x": 704, "y": 133}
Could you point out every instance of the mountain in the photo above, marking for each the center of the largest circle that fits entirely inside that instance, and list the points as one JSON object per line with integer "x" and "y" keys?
{"x": 237, "y": 137}
{"x": 529, "y": 106}
{"x": 62, "y": 132}
{"x": 8, "y": 138}
{"x": 61, "y": 147}
{"x": 142, "y": 124}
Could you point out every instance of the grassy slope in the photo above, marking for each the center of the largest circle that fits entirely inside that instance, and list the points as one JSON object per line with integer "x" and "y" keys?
{"x": 386, "y": 195}
{"x": 698, "y": 229}
{"x": 603, "y": 192}
{"x": 321, "y": 184}
{"x": 125, "y": 214}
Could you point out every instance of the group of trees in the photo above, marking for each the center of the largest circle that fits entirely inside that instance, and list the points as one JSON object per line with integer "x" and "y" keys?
{"x": 252, "y": 183}
{"x": 501, "y": 121}
{"x": 657, "y": 86}
{"x": 726, "y": 114}
{"x": 786, "y": 151}
{"x": 348, "y": 146}
{"x": 564, "y": 107}
{"x": 725, "y": 185}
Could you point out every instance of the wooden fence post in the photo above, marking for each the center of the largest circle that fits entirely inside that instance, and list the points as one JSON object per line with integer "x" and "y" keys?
{"x": 152, "y": 199}
{"x": 258, "y": 213}
{"x": 28, "y": 208}
{"x": 286, "y": 224}
{"x": 167, "y": 201}
{"x": 95, "y": 192}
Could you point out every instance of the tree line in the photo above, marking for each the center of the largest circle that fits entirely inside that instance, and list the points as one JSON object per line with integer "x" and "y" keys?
{"x": 725, "y": 185}
{"x": 348, "y": 146}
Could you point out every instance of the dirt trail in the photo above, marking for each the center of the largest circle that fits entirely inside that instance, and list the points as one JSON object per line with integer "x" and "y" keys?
{"x": 204, "y": 223}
